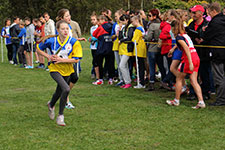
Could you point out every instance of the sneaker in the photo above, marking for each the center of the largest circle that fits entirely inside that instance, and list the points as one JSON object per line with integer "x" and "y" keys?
{"x": 199, "y": 106}
{"x": 97, "y": 82}
{"x": 60, "y": 120}
{"x": 139, "y": 86}
{"x": 126, "y": 86}
{"x": 165, "y": 85}
{"x": 11, "y": 62}
{"x": 110, "y": 82}
{"x": 184, "y": 89}
{"x": 123, "y": 86}
{"x": 172, "y": 103}
{"x": 120, "y": 83}
{"x": 69, "y": 105}
{"x": 151, "y": 87}
{"x": 41, "y": 67}
{"x": 36, "y": 62}
{"x": 51, "y": 111}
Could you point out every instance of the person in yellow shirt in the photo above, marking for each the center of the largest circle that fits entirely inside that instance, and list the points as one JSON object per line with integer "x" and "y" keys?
{"x": 115, "y": 48}
{"x": 65, "y": 51}
{"x": 126, "y": 48}
{"x": 141, "y": 49}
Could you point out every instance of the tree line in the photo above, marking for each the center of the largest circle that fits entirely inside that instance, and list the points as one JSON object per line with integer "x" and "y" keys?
{"x": 82, "y": 9}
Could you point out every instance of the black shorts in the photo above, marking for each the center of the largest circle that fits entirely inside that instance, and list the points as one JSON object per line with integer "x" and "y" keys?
{"x": 27, "y": 47}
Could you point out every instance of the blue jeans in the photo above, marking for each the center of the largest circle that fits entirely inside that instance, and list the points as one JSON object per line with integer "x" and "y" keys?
{"x": 15, "y": 47}
{"x": 170, "y": 78}
{"x": 155, "y": 58}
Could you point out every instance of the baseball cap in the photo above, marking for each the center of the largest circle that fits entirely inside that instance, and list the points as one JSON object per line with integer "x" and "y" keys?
{"x": 198, "y": 8}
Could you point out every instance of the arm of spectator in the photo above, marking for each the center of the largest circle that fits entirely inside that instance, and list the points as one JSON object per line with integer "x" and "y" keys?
{"x": 78, "y": 30}
{"x": 210, "y": 32}
{"x": 52, "y": 28}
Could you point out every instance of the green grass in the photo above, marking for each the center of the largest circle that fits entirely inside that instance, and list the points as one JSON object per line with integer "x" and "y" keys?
{"x": 105, "y": 118}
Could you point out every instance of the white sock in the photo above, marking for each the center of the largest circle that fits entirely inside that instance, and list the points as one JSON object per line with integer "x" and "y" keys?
{"x": 176, "y": 100}
{"x": 201, "y": 102}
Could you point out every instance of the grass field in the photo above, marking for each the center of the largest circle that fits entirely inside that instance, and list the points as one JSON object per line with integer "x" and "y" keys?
{"x": 105, "y": 117}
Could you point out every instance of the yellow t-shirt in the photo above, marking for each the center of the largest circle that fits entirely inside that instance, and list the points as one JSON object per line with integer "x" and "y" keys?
{"x": 141, "y": 46}
{"x": 70, "y": 48}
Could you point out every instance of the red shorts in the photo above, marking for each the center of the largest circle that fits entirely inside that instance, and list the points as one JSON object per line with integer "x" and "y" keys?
{"x": 184, "y": 65}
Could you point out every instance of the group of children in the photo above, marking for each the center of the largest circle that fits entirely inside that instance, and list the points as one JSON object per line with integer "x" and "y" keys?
{"x": 130, "y": 40}
{"x": 132, "y": 46}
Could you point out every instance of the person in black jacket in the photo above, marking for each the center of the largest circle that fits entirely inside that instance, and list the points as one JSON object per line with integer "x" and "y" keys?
{"x": 104, "y": 49}
{"x": 14, "y": 32}
{"x": 195, "y": 31}
{"x": 215, "y": 35}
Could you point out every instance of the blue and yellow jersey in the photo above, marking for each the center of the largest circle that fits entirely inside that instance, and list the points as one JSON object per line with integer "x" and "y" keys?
{"x": 141, "y": 46}
{"x": 71, "y": 48}
{"x": 115, "y": 29}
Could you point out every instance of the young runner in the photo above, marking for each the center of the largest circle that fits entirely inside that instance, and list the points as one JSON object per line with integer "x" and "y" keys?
{"x": 64, "y": 14}
{"x": 189, "y": 64}
{"x": 65, "y": 51}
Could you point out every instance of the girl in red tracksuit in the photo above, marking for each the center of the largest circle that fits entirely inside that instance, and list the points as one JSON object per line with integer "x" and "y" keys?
{"x": 189, "y": 64}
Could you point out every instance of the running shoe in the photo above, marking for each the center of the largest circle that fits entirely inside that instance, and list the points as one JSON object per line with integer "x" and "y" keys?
{"x": 110, "y": 82}
{"x": 120, "y": 83}
{"x": 98, "y": 82}
{"x": 11, "y": 62}
{"x": 51, "y": 111}
{"x": 69, "y": 105}
{"x": 139, "y": 86}
{"x": 127, "y": 86}
{"x": 184, "y": 89}
{"x": 198, "y": 106}
{"x": 60, "y": 120}
{"x": 172, "y": 103}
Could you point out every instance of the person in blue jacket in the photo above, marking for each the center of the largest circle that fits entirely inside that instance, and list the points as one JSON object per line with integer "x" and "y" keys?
{"x": 5, "y": 34}
{"x": 22, "y": 37}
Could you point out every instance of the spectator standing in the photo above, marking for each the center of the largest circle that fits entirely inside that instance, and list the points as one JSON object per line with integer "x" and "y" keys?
{"x": 195, "y": 31}
{"x": 5, "y": 34}
{"x": 215, "y": 35}
{"x": 14, "y": 32}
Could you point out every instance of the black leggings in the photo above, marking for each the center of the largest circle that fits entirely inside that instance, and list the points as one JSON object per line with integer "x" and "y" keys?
{"x": 10, "y": 52}
{"x": 109, "y": 61}
{"x": 62, "y": 90}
